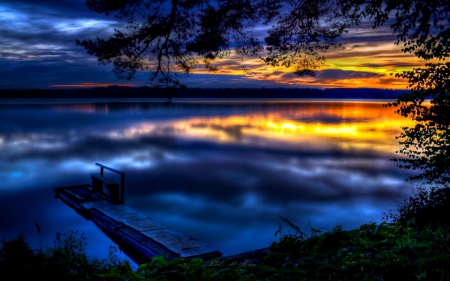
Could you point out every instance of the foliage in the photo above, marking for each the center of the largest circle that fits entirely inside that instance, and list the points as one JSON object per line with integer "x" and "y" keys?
{"x": 372, "y": 252}
{"x": 426, "y": 208}
{"x": 177, "y": 269}
{"x": 166, "y": 37}
{"x": 422, "y": 27}
{"x": 427, "y": 144}
{"x": 383, "y": 251}
{"x": 18, "y": 260}
{"x": 65, "y": 261}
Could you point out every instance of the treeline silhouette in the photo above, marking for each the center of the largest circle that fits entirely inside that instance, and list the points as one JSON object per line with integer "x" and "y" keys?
{"x": 149, "y": 92}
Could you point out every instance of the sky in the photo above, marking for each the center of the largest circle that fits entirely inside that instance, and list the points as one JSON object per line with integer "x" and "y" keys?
{"x": 38, "y": 50}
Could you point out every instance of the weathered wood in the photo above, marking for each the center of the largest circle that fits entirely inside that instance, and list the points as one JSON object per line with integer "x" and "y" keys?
{"x": 104, "y": 179}
{"x": 143, "y": 241}
{"x": 174, "y": 241}
{"x": 107, "y": 186}
{"x": 122, "y": 179}
{"x": 138, "y": 231}
{"x": 109, "y": 168}
{"x": 128, "y": 237}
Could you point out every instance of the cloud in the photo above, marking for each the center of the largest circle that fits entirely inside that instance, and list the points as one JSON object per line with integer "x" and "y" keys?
{"x": 390, "y": 64}
{"x": 38, "y": 47}
{"x": 30, "y": 74}
{"x": 333, "y": 77}
{"x": 67, "y": 8}
{"x": 337, "y": 74}
{"x": 227, "y": 81}
{"x": 32, "y": 34}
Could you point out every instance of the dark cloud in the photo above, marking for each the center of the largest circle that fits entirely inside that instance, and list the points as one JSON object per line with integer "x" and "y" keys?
{"x": 37, "y": 45}
{"x": 67, "y": 8}
{"x": 396, "y": 63}
{"x": 356, "y": 46}
{"x": 288, "y": 75}
{"x": 337, "y": 74}
{"x": 365, "y": 35}
{"x": 227, "y": 81}
{"x": 51, "y": 71}
{"x": 367, "y": 54}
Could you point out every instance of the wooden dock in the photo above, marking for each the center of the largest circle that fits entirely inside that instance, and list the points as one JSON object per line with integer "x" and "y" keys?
{"x": 138, "y": 235}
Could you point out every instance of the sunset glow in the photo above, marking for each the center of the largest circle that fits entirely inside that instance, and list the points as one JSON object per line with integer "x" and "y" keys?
{"x": 39, "y": 51}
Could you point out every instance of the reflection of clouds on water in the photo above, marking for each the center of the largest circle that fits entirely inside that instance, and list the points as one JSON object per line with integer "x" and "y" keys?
{"x": 234, "y": 132}
{"x": 265, "y": 185}
{"x": 223, "y": 174}
{"x": 19, "y": 212}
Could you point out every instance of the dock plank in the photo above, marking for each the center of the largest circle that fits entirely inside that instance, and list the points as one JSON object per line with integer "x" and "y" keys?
{"x": 146, "y": 224}
{"x": 159, "y": 234}
{"x": 180, "y": 243}
{"x": 126, "y": 215}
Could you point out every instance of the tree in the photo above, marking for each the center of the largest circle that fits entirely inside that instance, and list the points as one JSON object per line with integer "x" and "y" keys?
{"x": 167, "y": 37}
{"x": 423, "y": 29}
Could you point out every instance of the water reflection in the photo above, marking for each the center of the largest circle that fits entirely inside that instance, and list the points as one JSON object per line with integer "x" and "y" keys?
{"x": 347, "y": 125}
{"x": 221, "y": 172}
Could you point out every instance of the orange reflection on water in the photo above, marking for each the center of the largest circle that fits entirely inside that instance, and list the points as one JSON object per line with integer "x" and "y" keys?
{"x": 85, "y": 108}
{"x": 318, "y": 125}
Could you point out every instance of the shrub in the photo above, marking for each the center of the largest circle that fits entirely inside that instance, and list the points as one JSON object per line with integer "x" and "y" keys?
{"x": 427, "y": 207}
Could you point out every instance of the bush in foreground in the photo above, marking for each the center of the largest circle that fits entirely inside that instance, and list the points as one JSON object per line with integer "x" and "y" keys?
{"x": 426, "y": 207}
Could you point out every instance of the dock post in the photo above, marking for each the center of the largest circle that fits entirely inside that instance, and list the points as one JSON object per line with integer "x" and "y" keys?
{"x": 121, "y": 192}
{"x": 97, "y": 184}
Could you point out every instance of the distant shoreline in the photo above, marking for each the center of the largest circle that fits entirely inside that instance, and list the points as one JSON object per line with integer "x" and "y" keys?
{"x": 30, "y": 101}
{"x": 128, "y": 93}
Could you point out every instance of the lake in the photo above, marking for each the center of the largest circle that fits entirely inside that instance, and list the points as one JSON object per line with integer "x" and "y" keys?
{"x": 220, "y": 171}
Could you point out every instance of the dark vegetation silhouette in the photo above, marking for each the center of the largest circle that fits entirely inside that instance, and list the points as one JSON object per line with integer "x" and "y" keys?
{"x": 372, "y": 252}
{"x": 423, "y": 29}
{"x": 166, "y": 37}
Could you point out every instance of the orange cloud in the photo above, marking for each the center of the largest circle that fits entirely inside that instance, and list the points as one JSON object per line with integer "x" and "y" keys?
{"x": 367, "y": 61}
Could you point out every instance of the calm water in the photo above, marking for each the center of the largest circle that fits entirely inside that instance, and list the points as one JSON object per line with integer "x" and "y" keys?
{"x": 221, "y": 172}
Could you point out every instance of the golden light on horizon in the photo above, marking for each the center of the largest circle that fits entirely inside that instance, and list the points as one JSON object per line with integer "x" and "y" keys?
{"x": 346, "y": 130}
{"x": 285, "y": 126}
